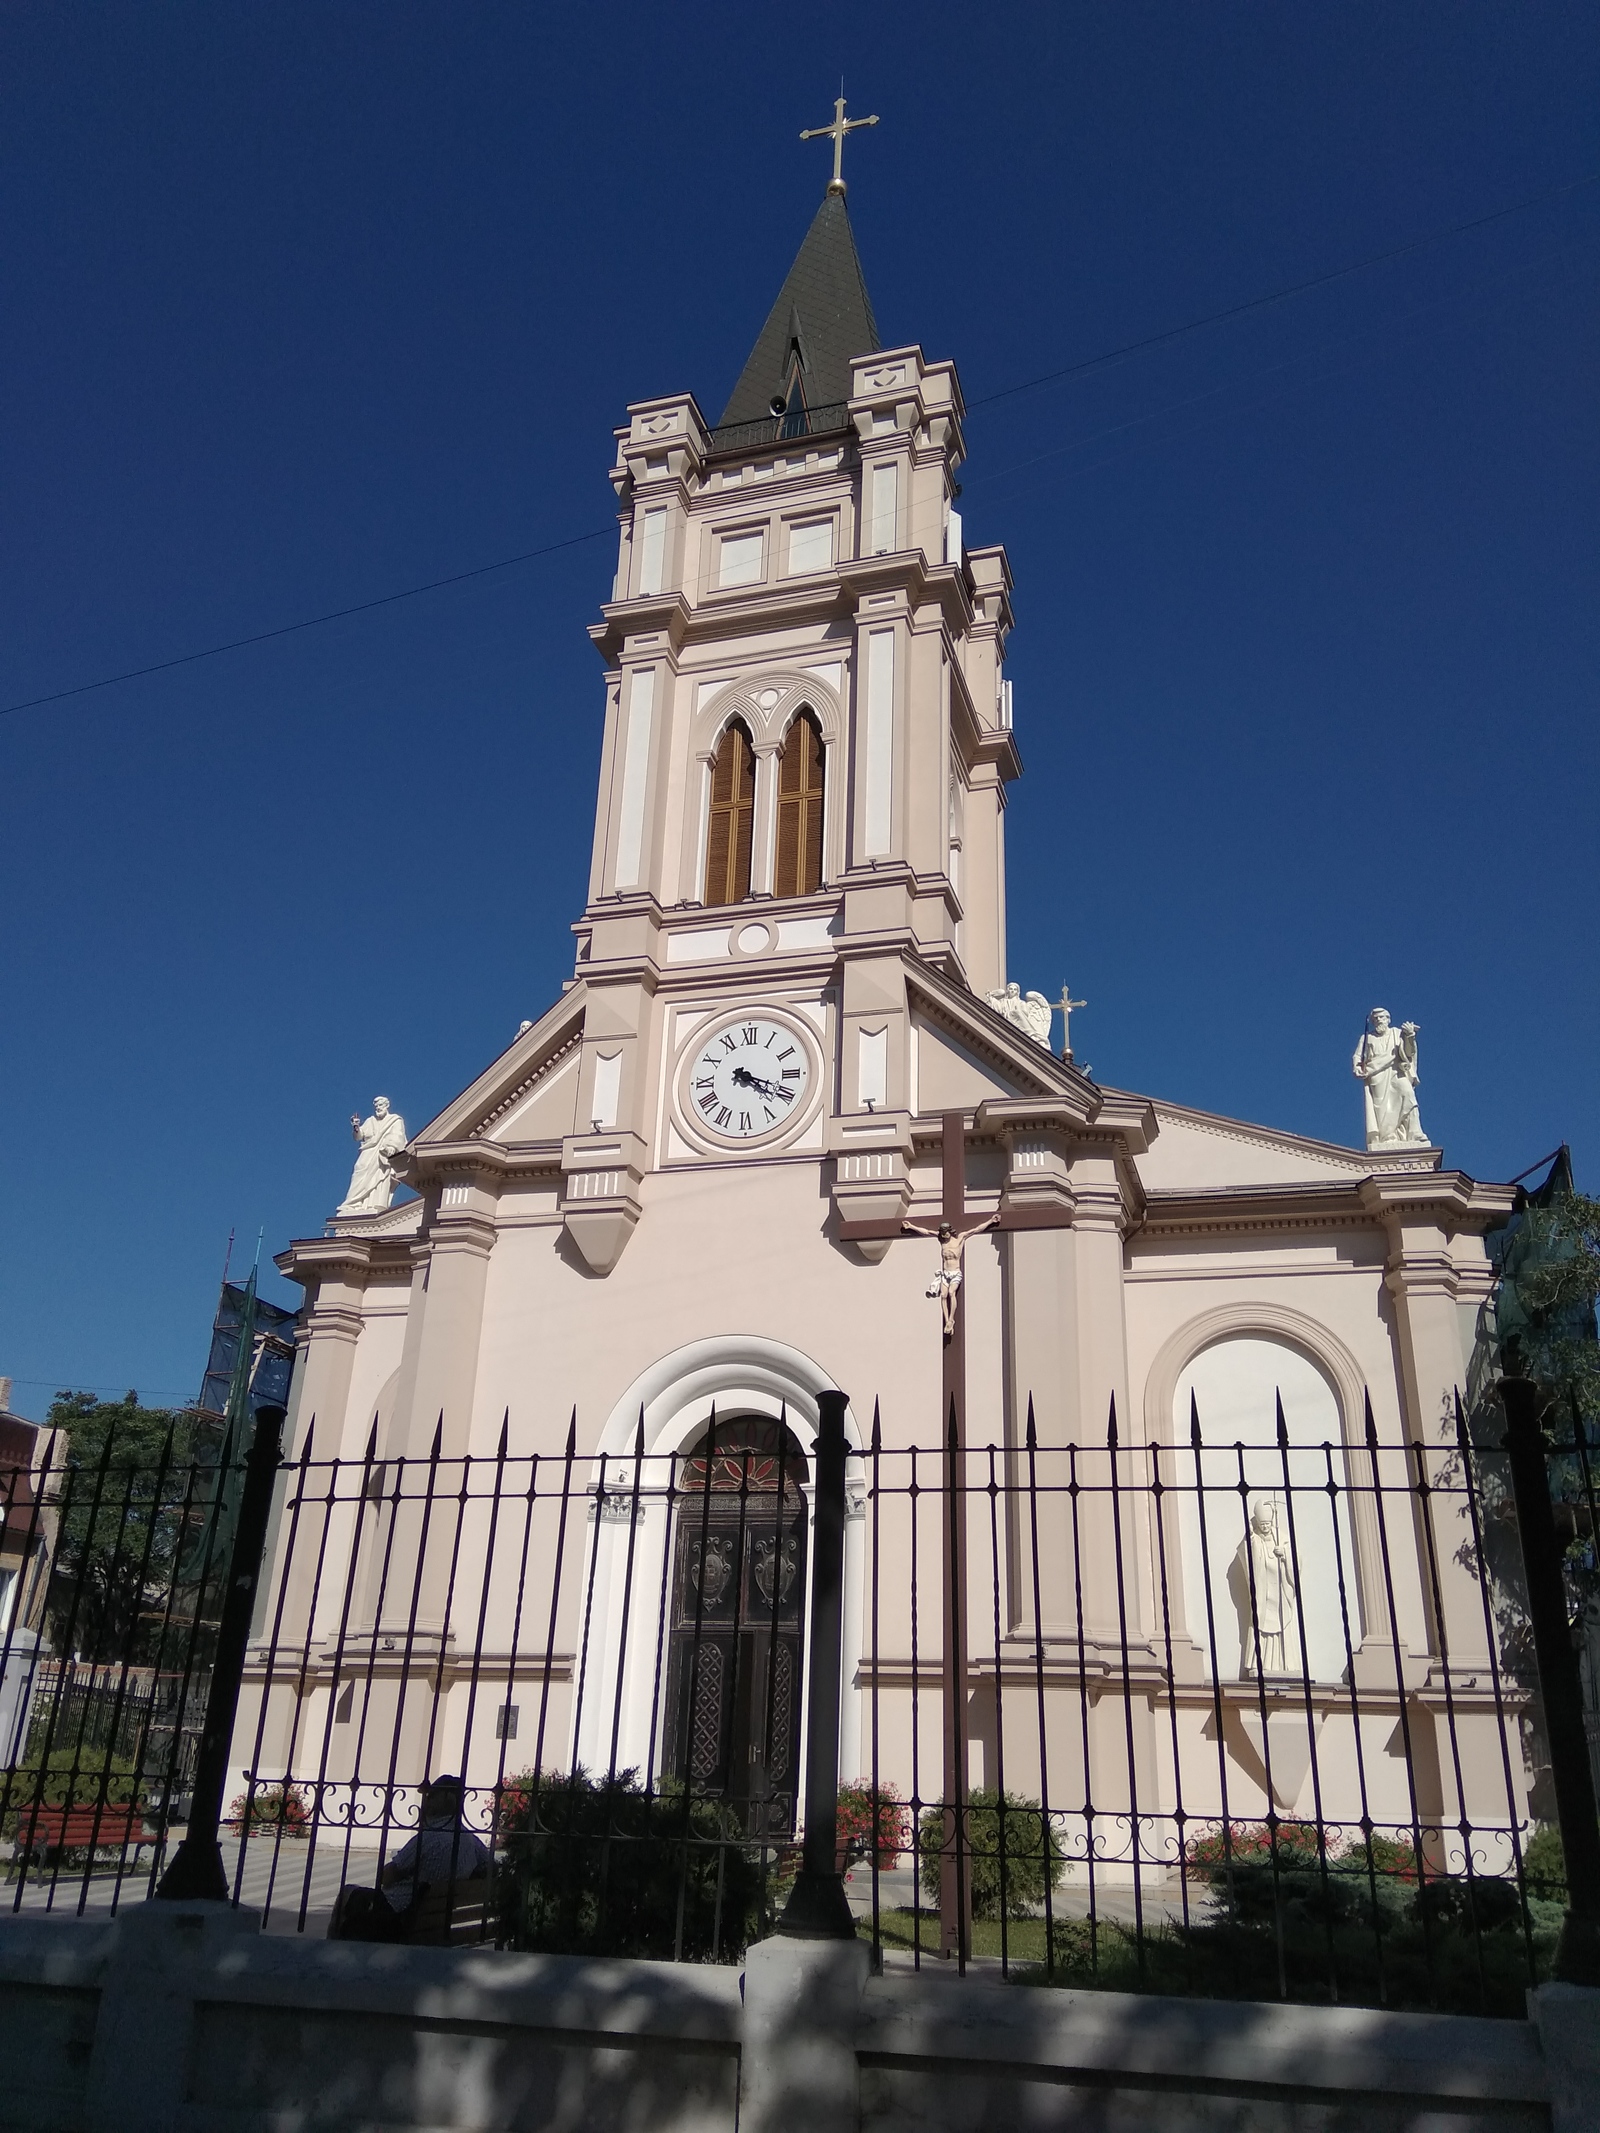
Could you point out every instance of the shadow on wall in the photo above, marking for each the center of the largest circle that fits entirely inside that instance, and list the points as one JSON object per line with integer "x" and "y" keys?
{"x": 444, "y": 2038}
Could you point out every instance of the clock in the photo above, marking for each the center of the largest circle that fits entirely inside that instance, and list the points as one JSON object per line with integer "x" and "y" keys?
{"x": 746, "y": 1080}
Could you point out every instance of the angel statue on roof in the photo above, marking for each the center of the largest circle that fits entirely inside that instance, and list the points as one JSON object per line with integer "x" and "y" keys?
{"x": 1028, "y": 1012}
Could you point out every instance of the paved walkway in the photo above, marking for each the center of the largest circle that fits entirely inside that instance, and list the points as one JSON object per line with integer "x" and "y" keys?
{"x": 277, "y": 1879}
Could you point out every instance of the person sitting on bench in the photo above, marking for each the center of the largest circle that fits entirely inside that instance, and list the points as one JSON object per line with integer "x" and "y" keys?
{"x": 417, "y": 1897}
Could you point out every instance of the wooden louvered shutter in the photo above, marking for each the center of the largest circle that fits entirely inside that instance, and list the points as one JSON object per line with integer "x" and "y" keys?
{"x": 733, "y": 810}
{"x": 799, "y": 862}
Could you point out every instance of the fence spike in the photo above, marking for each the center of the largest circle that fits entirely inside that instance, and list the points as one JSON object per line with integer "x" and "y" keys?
{"x": 1463, "y": 1437}
{"x": 505, "y": 1435}
{"x": 1371, "y": 1425}
{"x": 1283, "y": 1427}
{"x": 305, "y": 1449}
{"x": 1111, "y": 1425}
{"x": 372, "y": 1442}
{"x": 877, "y": 1429}
{"x": 1194, "y": 1419}
{"x": 1032, "y": 1434}
{"x": 953, "y": 1430}
{"x": 572, "y": 1434}
{"x": 437, "y": 1451}
{"x": 638, "y": 1435}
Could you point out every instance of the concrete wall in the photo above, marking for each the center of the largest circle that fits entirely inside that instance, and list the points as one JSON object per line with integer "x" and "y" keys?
{"x": 178, "y": 2018}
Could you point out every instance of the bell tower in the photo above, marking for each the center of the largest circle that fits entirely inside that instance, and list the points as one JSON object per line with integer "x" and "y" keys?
{"x": 807, "y": 729}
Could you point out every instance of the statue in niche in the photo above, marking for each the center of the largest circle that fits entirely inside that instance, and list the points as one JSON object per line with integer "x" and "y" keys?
{"x": 1028, "y": 1012}
{"x": 380, "y": 1139}
{"x": 1385, "y": 1063}
{"x": 1261, "y": 1586}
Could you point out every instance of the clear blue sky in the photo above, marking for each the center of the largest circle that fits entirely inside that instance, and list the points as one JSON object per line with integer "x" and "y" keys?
{"x": 306, "y": 304}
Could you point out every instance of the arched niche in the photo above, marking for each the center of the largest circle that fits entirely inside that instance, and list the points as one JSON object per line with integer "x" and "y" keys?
{"x": 1229, "y": 1368}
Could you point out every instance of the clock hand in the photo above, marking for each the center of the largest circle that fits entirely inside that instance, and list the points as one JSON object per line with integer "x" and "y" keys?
{"x": 744, "y": 1079}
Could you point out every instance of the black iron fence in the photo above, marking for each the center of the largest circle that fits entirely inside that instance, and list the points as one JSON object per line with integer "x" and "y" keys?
{"x": 780, "y": 427}
{"x": 1257, "y": 1718}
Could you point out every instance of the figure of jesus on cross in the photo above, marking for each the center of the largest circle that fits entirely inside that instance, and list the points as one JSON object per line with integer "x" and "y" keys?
{"x": 946, "y": 1284}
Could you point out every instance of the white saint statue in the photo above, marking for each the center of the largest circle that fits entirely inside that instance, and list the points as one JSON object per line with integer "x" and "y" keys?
{"x": 1028, "y": 1012}
{"x": 1261, "y": 1585}
{"x": 1385, "y": 1063}
{"x": 380, "y": 1139}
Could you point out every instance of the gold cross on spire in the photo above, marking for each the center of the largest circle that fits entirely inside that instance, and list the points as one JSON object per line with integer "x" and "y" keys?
{"x": 836, "y": 133}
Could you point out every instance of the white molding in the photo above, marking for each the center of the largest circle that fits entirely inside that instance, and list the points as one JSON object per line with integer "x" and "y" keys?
{"x": 746, "y": 1370}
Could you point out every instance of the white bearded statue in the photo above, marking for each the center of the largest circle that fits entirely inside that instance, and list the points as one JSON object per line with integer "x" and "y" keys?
{"x": 380, "y": 1139}
{"x": 1385, "y": 1063}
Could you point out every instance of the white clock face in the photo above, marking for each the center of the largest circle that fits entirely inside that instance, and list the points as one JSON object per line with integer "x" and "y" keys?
{"x": 747, "y": 1078}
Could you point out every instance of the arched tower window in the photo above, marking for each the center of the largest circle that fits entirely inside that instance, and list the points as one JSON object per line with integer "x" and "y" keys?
{"x": 799, "y": 862}
{"x": 733, "y": 814}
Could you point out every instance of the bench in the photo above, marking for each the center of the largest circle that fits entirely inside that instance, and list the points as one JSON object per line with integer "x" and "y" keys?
{"x": 458, "y": 1914}
{"x": 47, "y": 1832}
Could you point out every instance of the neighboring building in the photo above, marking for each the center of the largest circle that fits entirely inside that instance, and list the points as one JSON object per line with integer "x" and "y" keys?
{"x": 685, "y": 1183}
{"x": 29, "y": 1454}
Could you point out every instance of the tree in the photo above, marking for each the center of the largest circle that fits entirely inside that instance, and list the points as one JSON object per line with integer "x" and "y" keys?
{"x": 1545, "y": 1309}
{"x": 126, "y": 1495}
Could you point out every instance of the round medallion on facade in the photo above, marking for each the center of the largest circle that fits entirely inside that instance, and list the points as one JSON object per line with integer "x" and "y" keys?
{"x": 747, "y": 1079}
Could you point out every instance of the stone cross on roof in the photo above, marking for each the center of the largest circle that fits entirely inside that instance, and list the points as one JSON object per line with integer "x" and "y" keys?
{"x": 836, "y": 133}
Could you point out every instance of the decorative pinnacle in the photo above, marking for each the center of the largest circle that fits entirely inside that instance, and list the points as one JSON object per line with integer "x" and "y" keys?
{"x": 836, "y": 133}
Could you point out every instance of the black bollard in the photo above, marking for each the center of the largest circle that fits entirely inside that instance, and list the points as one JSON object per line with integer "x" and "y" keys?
{"x": 818, "y": 1908}
{"x": 196, "y": 1871}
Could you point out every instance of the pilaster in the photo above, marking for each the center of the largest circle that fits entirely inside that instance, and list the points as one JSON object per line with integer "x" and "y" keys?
{"x": 1422, "y": 1212}
{"x": 439, "y": 1369}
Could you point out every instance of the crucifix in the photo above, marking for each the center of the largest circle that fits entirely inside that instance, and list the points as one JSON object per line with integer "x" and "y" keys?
{"x": 953, "y": 1231}
{"x": 1064, "y": 1007}
{"x": 836, "y": 133}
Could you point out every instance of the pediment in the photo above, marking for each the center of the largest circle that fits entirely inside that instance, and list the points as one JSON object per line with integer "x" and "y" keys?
{"x": 968, "y": 1055}
{"x": 1199, "y": 1151}
{"x": 528, "y": 1090}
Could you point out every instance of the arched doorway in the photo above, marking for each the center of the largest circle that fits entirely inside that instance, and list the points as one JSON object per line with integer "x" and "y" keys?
{"x": 737, "y": 1628}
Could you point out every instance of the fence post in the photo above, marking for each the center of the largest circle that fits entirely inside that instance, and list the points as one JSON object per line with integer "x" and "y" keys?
{"x": 196, "y": 1871}
{"x": 1578, "y": 1951}
{"x": 818, "y": 1908}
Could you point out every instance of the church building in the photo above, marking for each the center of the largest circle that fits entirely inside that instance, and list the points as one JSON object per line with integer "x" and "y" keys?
{"x": 707, "y": 1181}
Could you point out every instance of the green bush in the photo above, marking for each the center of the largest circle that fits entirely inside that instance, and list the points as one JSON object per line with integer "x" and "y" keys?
{"x": 72, "y": 1777}
{"x": 1012, "y": 1853}
{"x": 1407, "y": 1967}
{"x": 597, "y": 1866}
{"x": 1282, "y": 1916}
{"x": 1544, "y": 1865}
{"x": 1257, "y": 1872}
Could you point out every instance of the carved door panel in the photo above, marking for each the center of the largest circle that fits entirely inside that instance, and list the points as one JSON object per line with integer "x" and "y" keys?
{"x": 737, "y": 1624}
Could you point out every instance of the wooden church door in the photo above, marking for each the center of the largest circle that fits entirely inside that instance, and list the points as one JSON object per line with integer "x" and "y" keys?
{"x": 738, "y": 1593}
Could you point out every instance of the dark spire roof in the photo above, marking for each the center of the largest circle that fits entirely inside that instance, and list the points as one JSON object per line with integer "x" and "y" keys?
{"x": 823, "y": 310}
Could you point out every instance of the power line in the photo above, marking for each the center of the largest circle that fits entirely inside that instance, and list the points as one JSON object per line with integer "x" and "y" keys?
{"x": 1279, "y": 296}
{"x": 1008, "y": 392}
{"x": 311, "y": 622}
